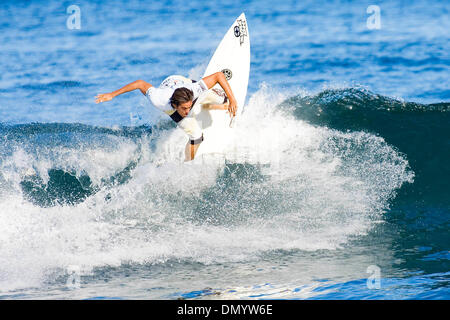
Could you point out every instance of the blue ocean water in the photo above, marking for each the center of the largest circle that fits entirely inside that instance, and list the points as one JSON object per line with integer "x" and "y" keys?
{"x": 337, "y": 187}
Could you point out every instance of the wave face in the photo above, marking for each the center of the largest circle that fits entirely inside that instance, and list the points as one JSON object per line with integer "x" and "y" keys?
{"x": 302, "y": 179}
{"x": 418, "y": 131}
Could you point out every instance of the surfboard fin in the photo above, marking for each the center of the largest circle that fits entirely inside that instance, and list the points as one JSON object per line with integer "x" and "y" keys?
{"x": 232, "y": 121}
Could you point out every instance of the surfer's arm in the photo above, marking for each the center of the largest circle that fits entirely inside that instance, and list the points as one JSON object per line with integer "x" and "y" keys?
{"x": 220, "y": 78}
{"x": 138, "y": 84}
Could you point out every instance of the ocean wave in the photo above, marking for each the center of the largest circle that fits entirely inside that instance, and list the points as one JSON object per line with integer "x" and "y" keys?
{"x": 92, "y": 197}
{"x": 419, "y": 131}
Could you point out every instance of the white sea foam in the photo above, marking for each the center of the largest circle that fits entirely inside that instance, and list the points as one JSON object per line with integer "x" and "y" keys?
{"x": 301, "y": 188}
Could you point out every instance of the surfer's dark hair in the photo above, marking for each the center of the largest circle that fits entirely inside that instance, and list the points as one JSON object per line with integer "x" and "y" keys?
{"x": 180, "y": 96}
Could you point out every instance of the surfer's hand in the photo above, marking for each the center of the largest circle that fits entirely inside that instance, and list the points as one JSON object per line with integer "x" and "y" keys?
{"x": 103, "y": 97}
{"x": 232, "y": 107}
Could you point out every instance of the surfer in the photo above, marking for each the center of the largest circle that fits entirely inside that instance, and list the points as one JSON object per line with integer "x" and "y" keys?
{"x": 175, "y": 96}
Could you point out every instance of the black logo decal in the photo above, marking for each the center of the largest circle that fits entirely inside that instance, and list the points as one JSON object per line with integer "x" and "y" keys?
{"x": 237, "y": 31}
{"x": 228, "y": 74}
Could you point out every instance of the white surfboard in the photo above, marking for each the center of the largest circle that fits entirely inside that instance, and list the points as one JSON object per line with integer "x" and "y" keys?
{"x": 232, "y": 57}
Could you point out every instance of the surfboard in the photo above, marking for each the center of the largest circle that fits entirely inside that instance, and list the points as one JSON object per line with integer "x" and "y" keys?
{"x": 232, "y": 57}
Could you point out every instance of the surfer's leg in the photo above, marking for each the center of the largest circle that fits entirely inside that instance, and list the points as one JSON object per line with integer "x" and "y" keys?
{"x": 191, "y": 148}
{"x": 190, "y": 151}
{"x": 193, "y": 130}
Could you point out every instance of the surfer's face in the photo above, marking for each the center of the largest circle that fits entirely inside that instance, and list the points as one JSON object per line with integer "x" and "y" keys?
{"x": 184, "y": 108}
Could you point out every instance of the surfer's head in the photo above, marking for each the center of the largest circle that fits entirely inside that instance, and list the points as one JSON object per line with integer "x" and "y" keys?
{"x": 181, "y": 101}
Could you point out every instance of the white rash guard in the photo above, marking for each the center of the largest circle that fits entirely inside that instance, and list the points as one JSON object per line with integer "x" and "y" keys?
{"x": 160, "y": 98}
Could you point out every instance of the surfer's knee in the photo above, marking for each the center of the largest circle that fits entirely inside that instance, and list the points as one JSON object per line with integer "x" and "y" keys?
{"x": 192, "y": 147}
{"x": 196, "y": 141}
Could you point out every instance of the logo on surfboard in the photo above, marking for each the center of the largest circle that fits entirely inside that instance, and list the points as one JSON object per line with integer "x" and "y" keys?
{"x": 228, "y": 74}
{"x": 240, "y": 31}
{"x": 237, "y": 31}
